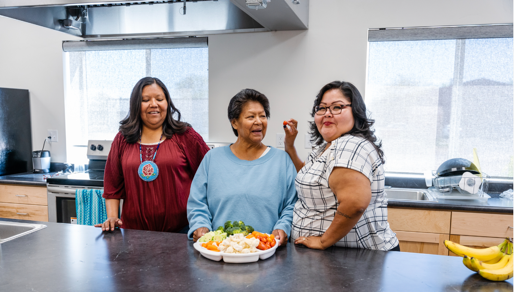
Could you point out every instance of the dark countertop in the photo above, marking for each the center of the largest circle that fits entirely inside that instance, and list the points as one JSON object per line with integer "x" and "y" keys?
{"x": 65, "y": 257}
{"x": 27, "y": 178}
{"x": 494, "y": 205}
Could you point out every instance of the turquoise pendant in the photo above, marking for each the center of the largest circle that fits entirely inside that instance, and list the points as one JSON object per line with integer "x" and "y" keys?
{"x": 148, "y": 171}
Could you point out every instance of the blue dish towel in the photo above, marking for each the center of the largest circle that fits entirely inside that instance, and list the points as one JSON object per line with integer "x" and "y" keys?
{"x": 90, "y": 207}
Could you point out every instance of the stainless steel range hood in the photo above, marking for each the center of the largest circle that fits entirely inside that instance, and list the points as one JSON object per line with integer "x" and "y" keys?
{"x": 132, "y": 19}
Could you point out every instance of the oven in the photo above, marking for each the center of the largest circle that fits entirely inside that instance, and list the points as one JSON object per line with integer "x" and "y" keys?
{"x": 61, "y": 202}
{"x": 61, "y": 189}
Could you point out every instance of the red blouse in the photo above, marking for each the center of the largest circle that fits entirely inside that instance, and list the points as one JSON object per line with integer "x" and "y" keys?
{"x": 159, "y": 205}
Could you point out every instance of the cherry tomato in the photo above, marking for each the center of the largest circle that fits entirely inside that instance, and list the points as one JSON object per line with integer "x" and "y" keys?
{"x": 285, "y": 123}
{"x": 261, "y": 246}
{"x": 273, "y": 242}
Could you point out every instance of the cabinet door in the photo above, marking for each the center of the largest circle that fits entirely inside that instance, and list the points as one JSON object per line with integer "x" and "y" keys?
{"x": 481, "y": 224}
{"x": 24, "y": 212}
{"x": 419, "y": 220}
{"x": 475, "y": 241}
{"x": 18, "y": 194}
{"x": 419, "y": 242}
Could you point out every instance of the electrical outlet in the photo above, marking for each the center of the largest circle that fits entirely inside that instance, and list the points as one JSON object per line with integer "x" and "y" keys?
{"x": 307, "y": 141}
{"x": 53, "y": 136}
{"x": 280, "y": 140}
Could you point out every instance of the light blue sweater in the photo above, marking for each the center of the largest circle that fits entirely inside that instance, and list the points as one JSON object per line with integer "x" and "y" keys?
{"x": 261, "y": 193}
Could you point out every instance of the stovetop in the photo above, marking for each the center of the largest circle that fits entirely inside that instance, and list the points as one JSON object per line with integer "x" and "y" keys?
{"x": 88, "y": 178}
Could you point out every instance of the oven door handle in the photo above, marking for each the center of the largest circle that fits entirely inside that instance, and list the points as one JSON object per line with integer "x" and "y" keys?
{"x": 62, "y": 190}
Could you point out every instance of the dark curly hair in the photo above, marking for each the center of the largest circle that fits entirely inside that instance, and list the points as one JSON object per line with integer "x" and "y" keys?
{"x": 236, "y": 104}
{"x": 131, "y": 125}
{"x": 362, "y": 126}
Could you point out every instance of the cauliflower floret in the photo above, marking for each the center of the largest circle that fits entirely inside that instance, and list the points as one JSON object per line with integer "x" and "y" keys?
{"x": 237, "y": 247}
{"x": 230, "y": 250}
{"x": 246, "y": 250}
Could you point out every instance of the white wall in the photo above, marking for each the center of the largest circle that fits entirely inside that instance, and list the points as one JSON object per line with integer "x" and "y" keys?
{"x": 289, "y": 67}
{"x": 31, "y": 58}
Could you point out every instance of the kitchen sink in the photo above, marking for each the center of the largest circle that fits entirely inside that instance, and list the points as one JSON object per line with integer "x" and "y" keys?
{"x": 12, "y": 230}
{"x": 398, "y": 194}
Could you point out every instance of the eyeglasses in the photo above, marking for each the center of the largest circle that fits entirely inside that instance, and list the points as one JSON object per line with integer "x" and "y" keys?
{"x": 335, "y": 109}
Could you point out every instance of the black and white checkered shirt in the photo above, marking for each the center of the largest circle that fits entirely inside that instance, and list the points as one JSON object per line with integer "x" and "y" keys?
{"x": 317, "y": 204}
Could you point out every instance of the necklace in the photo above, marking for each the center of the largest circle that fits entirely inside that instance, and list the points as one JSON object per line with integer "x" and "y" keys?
{"x": 148, "y": 170}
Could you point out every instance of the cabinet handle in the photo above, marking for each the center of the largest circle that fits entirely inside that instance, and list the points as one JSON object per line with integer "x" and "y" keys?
{"x": 21, "y": 195}
{"x": 23, "y": 214}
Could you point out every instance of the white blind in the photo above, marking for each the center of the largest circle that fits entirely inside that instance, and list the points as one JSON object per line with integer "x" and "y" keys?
{"x": 438, "y": 99}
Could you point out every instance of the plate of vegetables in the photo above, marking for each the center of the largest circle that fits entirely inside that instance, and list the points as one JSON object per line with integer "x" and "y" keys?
{"x": 239, "y": 247}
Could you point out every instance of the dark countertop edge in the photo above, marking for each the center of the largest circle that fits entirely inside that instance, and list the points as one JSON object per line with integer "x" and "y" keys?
{"x": 22, "y": 182}
{"x": 450, "y": 207}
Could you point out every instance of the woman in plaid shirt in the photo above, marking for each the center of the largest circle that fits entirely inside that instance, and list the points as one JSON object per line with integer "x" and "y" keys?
{"x": 341, "y": 198}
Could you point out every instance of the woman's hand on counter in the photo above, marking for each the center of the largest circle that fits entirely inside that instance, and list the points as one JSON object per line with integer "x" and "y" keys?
{"x": 313, "y": 242}
{"x": 110, "y": 224}
{"x": 199, "y": 233}
{"x": 280, "y": 237}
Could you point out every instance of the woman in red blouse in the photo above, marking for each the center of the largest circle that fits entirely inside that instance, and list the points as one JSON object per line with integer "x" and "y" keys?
{"x": 151, "y": 164}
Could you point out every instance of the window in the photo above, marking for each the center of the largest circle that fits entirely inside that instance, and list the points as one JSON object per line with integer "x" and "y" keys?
{"x": 100, "y": 75}
{"x": 437, "y": 93}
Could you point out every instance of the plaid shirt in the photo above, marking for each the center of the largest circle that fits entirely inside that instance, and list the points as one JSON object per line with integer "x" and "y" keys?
{"x": 317, "y": 204}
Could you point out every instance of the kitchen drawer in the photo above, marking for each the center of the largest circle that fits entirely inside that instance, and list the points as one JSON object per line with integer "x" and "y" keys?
{"x": 24, "y": 212}
{"x": 481, "y": 224}
{"x": 418, "y": 220}
{"x": 23, "y": 194}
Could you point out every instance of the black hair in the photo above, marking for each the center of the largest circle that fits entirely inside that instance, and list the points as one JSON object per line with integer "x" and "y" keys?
{"x": 362, "y": 126}
{"x": 131, "y": 125}
{"x": 236, "y": 104}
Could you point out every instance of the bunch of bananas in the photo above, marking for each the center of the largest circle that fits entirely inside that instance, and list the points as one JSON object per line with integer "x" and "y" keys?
{"x": 494, "y": 263}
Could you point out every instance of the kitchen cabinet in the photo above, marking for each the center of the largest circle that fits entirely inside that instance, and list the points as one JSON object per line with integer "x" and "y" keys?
{"x": 480, "y": 229}
{"x": 23, "y": 202}
{"x": 424, "y": 231}
{"x": 421, "y": 231}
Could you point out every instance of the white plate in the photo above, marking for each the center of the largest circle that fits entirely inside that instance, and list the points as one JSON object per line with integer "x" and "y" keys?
{"x": 233, "y": 257}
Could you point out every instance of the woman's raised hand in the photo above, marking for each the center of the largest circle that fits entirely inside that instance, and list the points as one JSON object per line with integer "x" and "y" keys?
{"x": 290, "y": 132}
{"x": 110, "y": 224}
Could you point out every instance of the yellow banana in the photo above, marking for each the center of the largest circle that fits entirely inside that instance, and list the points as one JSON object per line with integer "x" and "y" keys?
{"x": 499, "y": 265}
{"x": 482, "y": 254}
{"x": 502, "y": 274}
{"x": 467, "y": 262}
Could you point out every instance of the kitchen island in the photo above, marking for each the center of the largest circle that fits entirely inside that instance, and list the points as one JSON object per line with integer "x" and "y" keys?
{"x": 65, "y": 257}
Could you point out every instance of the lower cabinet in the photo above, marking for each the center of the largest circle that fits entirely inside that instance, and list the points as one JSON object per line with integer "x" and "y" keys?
{"x": 419, "y": 242}
{"x": 480, "y": 229}
{"x": 23, "y": 202}
{"x": 424, "y": 231}
{"x": 421, "y": 231}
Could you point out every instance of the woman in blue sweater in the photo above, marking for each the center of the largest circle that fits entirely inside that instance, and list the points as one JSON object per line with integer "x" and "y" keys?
{"x": 247, "y": 180}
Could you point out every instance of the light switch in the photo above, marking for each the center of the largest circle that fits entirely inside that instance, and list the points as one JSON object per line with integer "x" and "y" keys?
{"x": 307, "y": 143}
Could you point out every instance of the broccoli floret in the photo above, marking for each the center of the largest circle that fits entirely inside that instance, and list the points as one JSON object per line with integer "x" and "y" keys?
{"x": 228, "y": 225}
{"x": 220, "y": 228}
{"x": 236, "y": 230}
{"x": 242, "y": 225}
{"x": 229, "y": 230}
{"x": 235, "y": 223}
{"x": 249, "y": 229}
